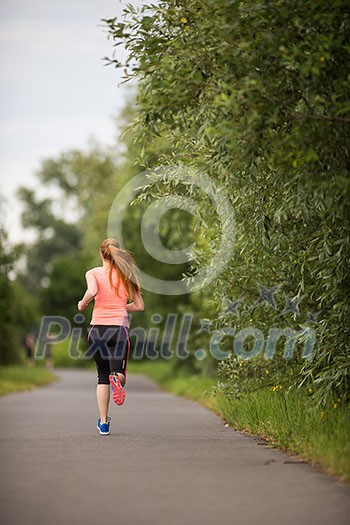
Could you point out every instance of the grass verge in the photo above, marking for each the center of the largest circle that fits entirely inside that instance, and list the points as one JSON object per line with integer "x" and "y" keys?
{"x": 290, "y": 422}
{"x": 19, "y": 378}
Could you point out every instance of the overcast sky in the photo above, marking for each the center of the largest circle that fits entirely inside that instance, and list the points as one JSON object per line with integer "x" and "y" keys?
{"x": 55, "y": 91}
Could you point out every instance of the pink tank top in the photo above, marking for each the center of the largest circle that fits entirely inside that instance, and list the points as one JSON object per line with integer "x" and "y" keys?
{"x": 109, "y": 308}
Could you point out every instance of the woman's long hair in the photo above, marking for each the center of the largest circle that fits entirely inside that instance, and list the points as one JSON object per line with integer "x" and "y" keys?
{"x": 123, "y": 265}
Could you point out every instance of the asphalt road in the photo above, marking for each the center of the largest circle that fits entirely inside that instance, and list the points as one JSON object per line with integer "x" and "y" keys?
{"x": 167, "y": 461}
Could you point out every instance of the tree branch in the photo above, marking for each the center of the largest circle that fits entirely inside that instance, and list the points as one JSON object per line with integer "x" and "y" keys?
{"x": 300, "y": 116}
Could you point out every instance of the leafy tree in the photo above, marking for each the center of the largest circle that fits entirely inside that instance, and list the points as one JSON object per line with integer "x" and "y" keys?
{"x": 18, "y": 309}
{"x": 67, "y": 282}
{"x": 8, "y": 341}
{"x": 54, "y": 238}
{"x": 255, "y": 94}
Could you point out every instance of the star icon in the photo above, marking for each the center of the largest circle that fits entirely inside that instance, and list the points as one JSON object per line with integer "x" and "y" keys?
{"x": 205, "y": 326}
{"x": 267, "y": 295}
{"x": 292, "y": 305}
{"x": 231, "y": 306}
{"x": 312, "y": 317}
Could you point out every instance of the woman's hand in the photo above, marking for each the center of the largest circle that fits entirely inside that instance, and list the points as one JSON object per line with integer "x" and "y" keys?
{"x": 81, "y": 306}
{"x": 137, "y": 305}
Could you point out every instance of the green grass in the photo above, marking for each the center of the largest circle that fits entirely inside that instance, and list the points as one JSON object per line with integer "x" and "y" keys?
{"x": 293, "y": 423}
{"x": 17, "y": 378}
{"x": 288, "y": 421}
{"x": 194, "y": 387}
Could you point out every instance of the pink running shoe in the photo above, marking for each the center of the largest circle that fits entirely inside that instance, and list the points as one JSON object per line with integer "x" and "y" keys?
{"x": 118, "y": 391}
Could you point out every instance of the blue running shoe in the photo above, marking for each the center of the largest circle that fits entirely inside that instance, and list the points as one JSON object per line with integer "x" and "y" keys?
{"x": 103, "y": 427}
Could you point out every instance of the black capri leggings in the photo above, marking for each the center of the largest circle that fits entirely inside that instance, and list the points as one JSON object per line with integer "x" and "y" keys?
{"x": 110, "y": 347}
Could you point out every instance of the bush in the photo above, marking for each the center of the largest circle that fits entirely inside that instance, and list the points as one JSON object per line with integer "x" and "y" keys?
{"x": 256, "y": 97}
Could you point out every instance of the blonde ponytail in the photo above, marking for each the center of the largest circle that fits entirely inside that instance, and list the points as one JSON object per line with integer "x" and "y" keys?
{"x": 123, "y": 265}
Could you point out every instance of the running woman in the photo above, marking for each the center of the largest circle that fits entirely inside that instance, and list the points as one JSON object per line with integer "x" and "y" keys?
{"x": 111, "y": 286}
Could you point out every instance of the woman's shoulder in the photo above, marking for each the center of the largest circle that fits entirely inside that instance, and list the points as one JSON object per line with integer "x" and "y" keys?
{"x": 94, "y": 271}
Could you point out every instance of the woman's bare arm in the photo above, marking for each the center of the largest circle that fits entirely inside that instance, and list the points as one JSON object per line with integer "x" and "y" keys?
{"x": 91, "y": 291}
{"x": 137, "y": 305}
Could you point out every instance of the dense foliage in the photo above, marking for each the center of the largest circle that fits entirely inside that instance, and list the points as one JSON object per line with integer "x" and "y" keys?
{"x": 18, "y": 311}
{"x": 255, "y": 94}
